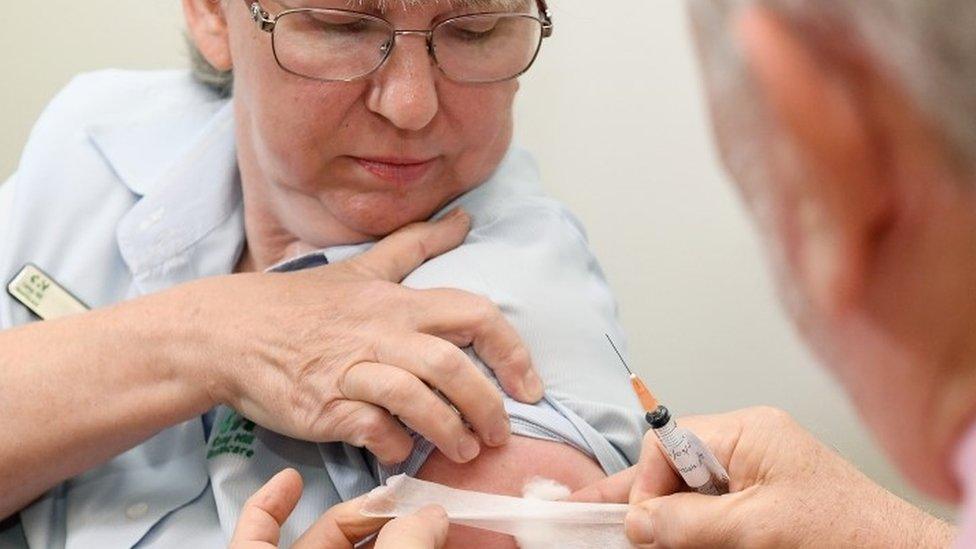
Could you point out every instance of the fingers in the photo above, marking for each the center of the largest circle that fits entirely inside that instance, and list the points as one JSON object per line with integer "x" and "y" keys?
{"x": 467, "y": 319}
{"x": 612, "y": 489}
{"x": 372, "y": 427}
{"x": 265, "y": 511}
{"x": 340, "y": 528}
{"x": 408, "y": 398}
{"x": 654, "y": 474}
{"x": 400, "y": 253}
{"x": 721, "y": 433}
{"x": 425, "y": 529}
{"x": 448, "y": 369}
{"x": 682, "y": 520}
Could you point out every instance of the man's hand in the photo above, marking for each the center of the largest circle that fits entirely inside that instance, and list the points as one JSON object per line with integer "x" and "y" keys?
{"x": 787, "y": 490}
{"x": 340, "y": 528}
{"x": 345, "y": 353}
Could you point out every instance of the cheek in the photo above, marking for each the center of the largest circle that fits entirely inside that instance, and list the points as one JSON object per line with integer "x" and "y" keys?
{"x": 290, "y": 122}
{"x": 298, "y": 124}
{"x": 480, "y": 121}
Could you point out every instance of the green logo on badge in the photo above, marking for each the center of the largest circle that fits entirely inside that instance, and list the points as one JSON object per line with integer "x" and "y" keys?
{"x": 234, "y": 435}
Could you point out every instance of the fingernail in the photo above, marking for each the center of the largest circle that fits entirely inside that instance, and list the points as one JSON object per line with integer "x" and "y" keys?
{"x": 468, "y": 448}
{"x": 640, "y": 527}
{"x": 434, "y": 511}
{"x": 500, "y": 435}
{"x": 533, "y": 385}
{"x": 454, "y": 215}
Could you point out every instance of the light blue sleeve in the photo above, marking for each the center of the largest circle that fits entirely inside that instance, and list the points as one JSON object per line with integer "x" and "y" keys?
{"x": 533, "y": 261}
{"x": 6, "y": 213}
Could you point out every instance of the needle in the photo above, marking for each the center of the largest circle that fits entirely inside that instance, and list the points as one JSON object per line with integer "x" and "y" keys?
{"x": 629, "y": 371}
{"x": 646, "y": 398}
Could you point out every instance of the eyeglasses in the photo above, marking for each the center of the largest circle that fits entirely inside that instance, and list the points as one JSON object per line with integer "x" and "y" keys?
{"x": 337, "y": 45}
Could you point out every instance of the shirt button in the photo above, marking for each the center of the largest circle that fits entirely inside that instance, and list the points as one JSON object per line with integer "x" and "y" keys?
{"x": 137, "y": 510}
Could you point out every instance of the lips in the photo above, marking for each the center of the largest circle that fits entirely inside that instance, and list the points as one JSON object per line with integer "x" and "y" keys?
{"x": 396, "y": 170}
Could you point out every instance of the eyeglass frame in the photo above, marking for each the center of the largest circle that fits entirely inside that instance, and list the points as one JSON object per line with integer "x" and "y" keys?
{"x": 267, "y": 23}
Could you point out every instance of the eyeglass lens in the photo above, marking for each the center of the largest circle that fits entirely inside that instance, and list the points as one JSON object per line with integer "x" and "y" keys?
{"x": 339, "y": 45}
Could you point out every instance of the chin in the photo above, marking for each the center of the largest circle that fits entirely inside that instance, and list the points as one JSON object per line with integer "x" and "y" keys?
{"x": 379, "y": 214}
{"x": 379, "y": 222}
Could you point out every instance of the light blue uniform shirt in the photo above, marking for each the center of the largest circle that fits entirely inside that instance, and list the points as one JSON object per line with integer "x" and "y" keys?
{"x": 129, "y": 185}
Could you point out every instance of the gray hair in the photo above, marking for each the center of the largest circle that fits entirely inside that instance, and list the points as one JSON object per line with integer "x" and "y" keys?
{"x": 221, "y": 82}
{"x": 927, "y": 46}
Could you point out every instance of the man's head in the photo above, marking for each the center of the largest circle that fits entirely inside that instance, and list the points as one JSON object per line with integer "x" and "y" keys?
{"x": 346, "y": 131}
{"x": 850, "y": 127}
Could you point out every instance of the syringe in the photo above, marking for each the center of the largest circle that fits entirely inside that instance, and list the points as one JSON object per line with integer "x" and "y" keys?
{"x": 686, "y": 453}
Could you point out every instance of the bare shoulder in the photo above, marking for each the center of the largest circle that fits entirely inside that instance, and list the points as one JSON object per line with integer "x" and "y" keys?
{"x": 505, "y": 471}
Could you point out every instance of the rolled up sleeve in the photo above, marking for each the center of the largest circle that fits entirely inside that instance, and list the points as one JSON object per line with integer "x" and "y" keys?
{"x": 534, "y": 262}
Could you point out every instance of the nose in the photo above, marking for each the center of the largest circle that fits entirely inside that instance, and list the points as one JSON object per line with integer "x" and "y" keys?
{"x": 404, "y": 90}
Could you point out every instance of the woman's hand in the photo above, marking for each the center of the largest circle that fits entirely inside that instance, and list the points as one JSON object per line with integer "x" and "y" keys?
{"x": 342, "y": 352}
{"x": 787, "y": 490}
{"x": 340, "y": 528}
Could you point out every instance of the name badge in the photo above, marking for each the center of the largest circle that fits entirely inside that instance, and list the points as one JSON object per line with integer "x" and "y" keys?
{"x": 42, "y": 295}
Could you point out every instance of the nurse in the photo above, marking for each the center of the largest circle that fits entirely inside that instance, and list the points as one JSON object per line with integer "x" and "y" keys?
{"x": 244, "y": 253}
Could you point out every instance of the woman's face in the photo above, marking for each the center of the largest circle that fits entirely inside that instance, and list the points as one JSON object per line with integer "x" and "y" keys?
{"x": 339, "y": 162}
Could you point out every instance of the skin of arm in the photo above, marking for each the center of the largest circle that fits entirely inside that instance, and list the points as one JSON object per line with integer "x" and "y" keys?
{"x": 91, "y": 386}
{"x": 74, "y": 407}
{"x": 505, "y": 471}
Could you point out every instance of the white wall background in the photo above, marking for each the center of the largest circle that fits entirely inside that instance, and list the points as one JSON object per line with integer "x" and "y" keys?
{"x": 614, "y": 114}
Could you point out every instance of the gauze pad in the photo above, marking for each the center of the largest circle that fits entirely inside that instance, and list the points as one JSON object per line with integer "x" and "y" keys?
{"x": 533, "y": 522}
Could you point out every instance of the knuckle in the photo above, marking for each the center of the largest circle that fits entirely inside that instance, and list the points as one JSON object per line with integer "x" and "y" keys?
{"x": 418, "y": 245}
{"x": 371, "y": 427}
{"x": 451, "y": 425}
{"x": 484, "y": 308}
{"x": 519, "y": 358}
{"x": 443, "y": 359}
{"x": 362, "y": 266}
{"x": 396, "y": 388}
{"x": 774, "y": 416}
{"x": 494, "y": 406}
{"x": 375, "y": 288}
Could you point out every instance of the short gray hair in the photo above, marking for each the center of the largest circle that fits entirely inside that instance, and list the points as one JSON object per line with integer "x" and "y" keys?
{"x": 221, "y": 82}
{"x": 928, "y": 46}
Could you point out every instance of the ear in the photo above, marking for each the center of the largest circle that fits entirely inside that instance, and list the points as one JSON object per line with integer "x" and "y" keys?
{"x": 208, "y": 28}
{"x": 837, "y": 204}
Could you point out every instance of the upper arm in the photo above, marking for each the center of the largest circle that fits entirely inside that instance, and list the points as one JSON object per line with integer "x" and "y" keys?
{"x": 505, "y": 471}
{"x": 535, "y": 265}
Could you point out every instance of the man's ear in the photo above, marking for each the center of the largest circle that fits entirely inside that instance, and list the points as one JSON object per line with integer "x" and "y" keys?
{"x": 840, "y": 199}
{"x": 208, "y": 28}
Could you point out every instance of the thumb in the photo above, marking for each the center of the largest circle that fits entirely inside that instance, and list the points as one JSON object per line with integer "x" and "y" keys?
{"x": 680, "y": 520}
{"x": 425, "y": 529}
{"x": 400, "y": 253}
{"x": 265, "y": 511}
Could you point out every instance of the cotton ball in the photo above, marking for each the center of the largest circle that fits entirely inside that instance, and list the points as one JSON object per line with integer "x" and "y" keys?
{"x": 535, "y": 536}
{"x": 545, "y": 489}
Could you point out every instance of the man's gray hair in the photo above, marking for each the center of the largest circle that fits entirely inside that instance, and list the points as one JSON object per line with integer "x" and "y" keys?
{"x": 928, "y": 46}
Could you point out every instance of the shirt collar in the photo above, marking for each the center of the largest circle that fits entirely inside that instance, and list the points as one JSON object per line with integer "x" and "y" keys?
{"x": 189, "y": 185}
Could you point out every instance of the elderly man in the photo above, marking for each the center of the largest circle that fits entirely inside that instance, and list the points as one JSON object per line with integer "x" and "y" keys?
{"x": 850, "y": 127}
